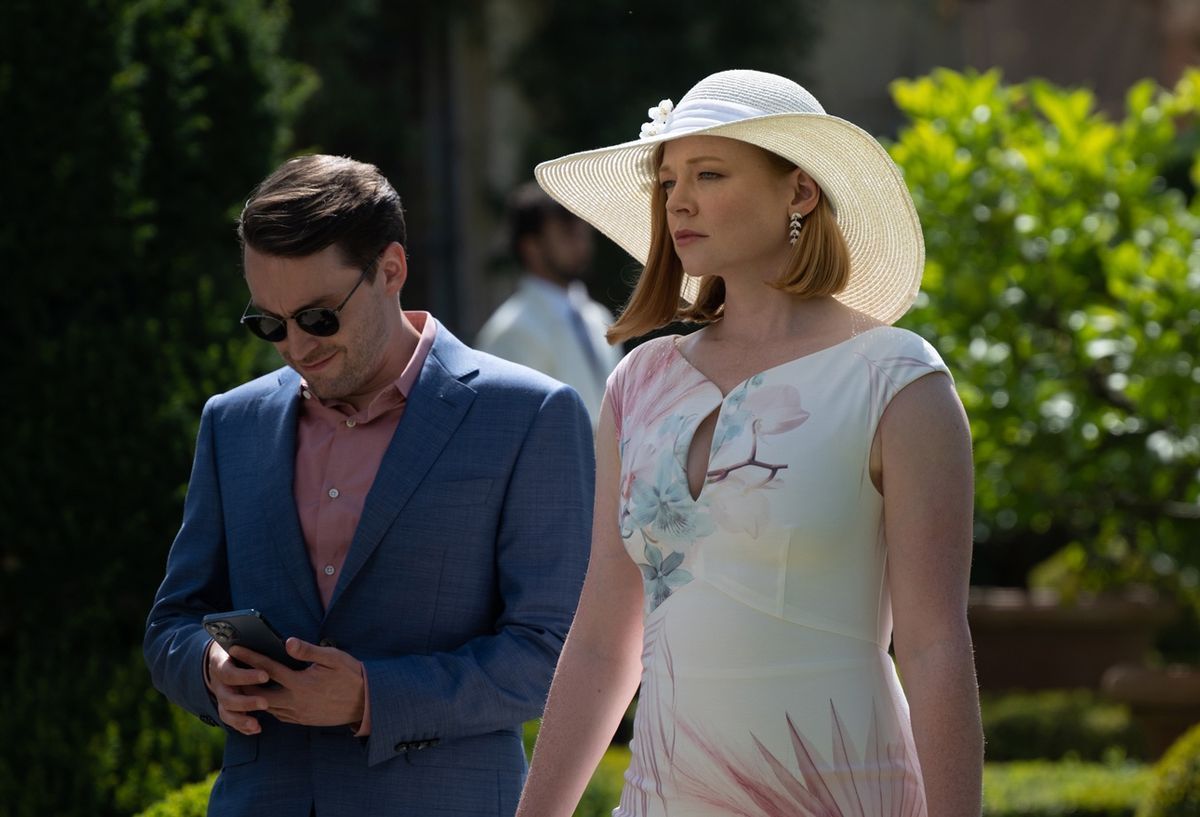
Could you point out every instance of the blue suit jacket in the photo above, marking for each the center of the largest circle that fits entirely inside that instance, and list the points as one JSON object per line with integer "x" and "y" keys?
{"x": 456, "y": 593}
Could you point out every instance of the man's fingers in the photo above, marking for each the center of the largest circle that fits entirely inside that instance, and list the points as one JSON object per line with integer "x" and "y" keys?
{"x": 242, "y": 723}
{"x": 231, "y": 708}
{"x": 259, "y": 662}
{"x": 304, "y": 651}
{"x": 227, "y": 671}
{"x": 243, "y": 703}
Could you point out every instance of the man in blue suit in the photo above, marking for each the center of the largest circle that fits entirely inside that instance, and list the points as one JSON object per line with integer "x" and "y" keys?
{"x": 411, "y": 514}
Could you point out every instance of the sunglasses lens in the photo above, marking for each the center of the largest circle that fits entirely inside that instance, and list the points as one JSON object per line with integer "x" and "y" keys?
{"x": 266, "y": 327}
{"x": 320, "y": 322}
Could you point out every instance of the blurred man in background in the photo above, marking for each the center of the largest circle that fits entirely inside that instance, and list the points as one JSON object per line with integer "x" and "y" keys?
{"x": 550, "y": 323}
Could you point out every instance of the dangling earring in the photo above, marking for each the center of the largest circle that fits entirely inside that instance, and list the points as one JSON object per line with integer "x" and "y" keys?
{"x": 795, "y": 222}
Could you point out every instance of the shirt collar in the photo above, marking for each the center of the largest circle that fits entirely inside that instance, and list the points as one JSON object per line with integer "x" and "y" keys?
{"x": 391, "y": 395}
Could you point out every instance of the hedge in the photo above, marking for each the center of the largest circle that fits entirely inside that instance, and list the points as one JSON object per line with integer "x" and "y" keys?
{"x": 1023, "y": 789}
{"x": 1058, "y": 724}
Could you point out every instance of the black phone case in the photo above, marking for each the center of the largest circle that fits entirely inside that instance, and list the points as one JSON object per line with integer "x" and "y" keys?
{"x": 249, "y": 629}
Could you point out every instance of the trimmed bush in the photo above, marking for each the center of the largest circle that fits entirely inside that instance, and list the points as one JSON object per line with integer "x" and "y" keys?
{"x": 1063, "y": 789}
{"x": 190, "y": 801}
{"x": 1058, "y": 724}
{"x": 1176, "y": 788}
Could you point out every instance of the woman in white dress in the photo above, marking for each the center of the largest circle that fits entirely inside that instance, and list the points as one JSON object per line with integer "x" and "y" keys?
{"x": 780, "y": 495}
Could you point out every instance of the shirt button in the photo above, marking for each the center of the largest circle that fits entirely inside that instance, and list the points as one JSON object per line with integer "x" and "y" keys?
{"x": 350, "y": 424}
{"x": 307, "y": 394}
{"x": 328, "y": 570}
{"x": 333, "y": 493}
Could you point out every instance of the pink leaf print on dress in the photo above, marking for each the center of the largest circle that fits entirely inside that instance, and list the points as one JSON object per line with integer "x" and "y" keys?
{"x": 884, "y": 783}
{"x": 776, "y": 409}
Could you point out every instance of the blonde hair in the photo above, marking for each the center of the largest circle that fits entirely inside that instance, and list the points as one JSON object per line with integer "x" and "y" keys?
{"x": 819, "y": 265}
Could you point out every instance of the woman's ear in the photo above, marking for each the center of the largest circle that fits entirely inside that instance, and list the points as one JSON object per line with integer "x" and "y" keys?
{"x": 805, "y": 192}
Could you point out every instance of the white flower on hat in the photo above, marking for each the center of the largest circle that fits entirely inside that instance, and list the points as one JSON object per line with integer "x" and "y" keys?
{"x": 659, "y": 115}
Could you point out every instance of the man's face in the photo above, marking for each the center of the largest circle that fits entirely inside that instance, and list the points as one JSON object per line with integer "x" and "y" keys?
{"x": 344, "y": 365}
{"x": 565, "y": 245}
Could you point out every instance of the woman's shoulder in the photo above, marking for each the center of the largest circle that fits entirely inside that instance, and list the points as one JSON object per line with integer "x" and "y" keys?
{"x": 892, "y": 344}
{"x": 648, "y": 355}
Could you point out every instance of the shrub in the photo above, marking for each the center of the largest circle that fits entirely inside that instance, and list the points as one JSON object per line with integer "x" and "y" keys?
{"x": 127, "y": 154}
{"x": 146, "y": 746}
{"x": 1057, "y": 724}
{"x": 190, "y": 801}
{"x": 1063, "y": 289}
{"x": 1176, "y": 788}
{"x": 1063, "y": 789}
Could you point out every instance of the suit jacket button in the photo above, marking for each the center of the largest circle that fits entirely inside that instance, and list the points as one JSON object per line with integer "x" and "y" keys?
{"x": 328, "y": 642}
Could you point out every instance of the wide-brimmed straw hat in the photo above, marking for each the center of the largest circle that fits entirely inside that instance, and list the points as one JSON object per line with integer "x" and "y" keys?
{"x": 611, "y": 187}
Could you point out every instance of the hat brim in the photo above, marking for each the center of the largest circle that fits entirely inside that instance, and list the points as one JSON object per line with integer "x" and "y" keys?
{"x": 612, "y": 188}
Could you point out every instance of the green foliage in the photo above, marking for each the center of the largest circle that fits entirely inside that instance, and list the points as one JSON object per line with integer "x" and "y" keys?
{"x": 1176, "y": 789}
{"x": 190, "y": 801}
{"x": 1063, "y": 789}
{"x": 148, "y": 747}
{"x": 127, "y": 153}
{"x": 1063, "y": 289}
{"x": 1057, "y": 724}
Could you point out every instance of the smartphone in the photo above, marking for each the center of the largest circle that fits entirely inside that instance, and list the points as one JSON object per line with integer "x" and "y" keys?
{"x": 249, "y": 629}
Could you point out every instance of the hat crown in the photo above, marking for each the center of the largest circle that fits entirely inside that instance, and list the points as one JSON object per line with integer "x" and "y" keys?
{"x": 730, "y": 96}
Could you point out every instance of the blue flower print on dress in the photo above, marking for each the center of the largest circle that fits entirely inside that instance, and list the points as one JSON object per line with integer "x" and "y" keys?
{"x": 661, "y": 576}
{"x": 664, "y": 509}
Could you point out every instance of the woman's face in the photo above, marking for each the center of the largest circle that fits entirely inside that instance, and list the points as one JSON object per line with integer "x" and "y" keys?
{"x": 727, "y": 206}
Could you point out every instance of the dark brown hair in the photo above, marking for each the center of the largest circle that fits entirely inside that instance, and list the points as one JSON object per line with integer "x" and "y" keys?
{"x": 529, "y": 208}
{"x": 318, "y": 201}
{"x": 819, "y": 265}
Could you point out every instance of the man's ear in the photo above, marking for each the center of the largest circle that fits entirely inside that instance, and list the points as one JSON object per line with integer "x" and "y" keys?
{"x": 805, "y": 192}
{"x": 393, "y": 267}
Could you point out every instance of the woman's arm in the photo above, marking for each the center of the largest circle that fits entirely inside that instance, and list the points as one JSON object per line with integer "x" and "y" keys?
{"x": 600, "y": 665}
{"x": 928, "y": 497}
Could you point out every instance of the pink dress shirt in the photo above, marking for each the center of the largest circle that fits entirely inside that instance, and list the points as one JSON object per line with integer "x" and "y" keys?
{"x": 338, "y": 451}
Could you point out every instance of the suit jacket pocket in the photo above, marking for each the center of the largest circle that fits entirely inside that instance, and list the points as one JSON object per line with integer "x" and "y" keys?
{"x": 239, "y": 749}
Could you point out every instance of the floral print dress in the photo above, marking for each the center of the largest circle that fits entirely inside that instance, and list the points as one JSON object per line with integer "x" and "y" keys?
{"x": 767, "y": 689}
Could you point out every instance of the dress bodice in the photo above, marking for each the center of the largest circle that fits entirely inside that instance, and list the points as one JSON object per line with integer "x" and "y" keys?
{"x": 788, "y": 520}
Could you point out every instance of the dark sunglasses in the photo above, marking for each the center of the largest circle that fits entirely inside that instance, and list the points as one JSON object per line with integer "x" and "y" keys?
{"x": 319, "y": 320}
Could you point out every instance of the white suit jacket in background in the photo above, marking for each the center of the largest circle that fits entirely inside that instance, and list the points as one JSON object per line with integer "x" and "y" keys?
{"x": 534, "y": 328}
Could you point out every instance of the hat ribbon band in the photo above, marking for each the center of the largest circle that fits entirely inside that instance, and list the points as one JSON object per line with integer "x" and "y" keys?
{"x": 692, "y": 115}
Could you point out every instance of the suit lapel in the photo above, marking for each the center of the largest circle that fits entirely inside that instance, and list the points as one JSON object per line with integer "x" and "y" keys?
{"x": 436, "y": 407}
{"x": 277, "y": 456}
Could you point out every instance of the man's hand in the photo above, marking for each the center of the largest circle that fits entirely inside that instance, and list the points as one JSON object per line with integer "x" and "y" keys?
{"x": 235, "y": 689}
{"x": 330, "y": 692}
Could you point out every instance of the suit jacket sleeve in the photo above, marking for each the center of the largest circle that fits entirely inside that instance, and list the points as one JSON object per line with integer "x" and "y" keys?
{"x": 495, "y": 681}
{"x": 195, "y": 584}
